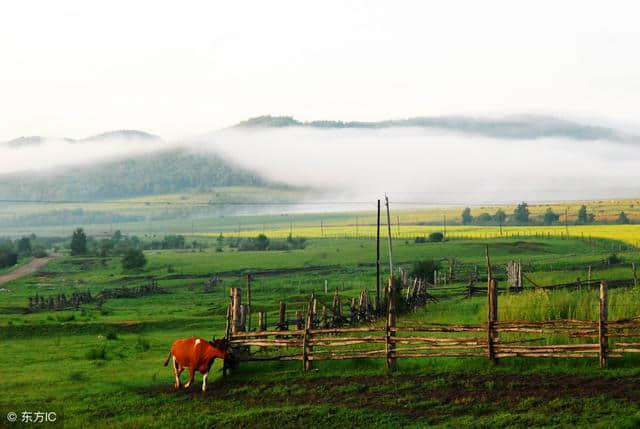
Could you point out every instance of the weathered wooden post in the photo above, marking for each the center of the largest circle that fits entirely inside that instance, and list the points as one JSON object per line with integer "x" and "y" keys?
{"x": 248, "y": 302}
{"x": 492, "y": 299}
{"x": 282, "y": 316}
{"x": 299, "y": 321}
{"x": 227, "y": 328}
{"x": 236, "y": 302}
{"x": 602, "y": 325}
{"x": 489, "y": 273}
{"x": 378, "y": 262}
{"x": 243, "y": 317}
{"x": 315, "y": 306}
{"x": 589, "y": 274}
{"x": 389, "y": 327}
{"x": 519, "y": 274}
{"x": 306, "y": 348}
{"x": 324, "y": 316}
{"x": 635, "y": 275}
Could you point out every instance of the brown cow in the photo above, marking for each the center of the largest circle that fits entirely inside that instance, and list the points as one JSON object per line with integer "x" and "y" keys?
{"x": 196, "y": 354}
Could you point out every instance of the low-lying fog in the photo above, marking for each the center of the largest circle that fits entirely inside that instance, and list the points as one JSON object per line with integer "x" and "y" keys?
{"x": 411, "y": 164}
{"x": 417, "y": 165}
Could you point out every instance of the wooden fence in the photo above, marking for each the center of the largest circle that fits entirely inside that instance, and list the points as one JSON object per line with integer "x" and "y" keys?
{"x": 493, "y": 339}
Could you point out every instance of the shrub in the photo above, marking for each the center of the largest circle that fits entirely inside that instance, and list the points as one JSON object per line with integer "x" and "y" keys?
{"x": 424, "y": 269}
{"x": 133, "y": 259}
{"x": 111, "y": 335}
{"x": 143, "y": 344}
{"x": 420, "y": 240}
{"x": 613, "y": 259}
{"x": 96, "y": 353}
{"x": 39, "y": 252}
{"x": 77, "y": 376}
{"x": 436, "y": 237}
{"x": 8, "y": 259}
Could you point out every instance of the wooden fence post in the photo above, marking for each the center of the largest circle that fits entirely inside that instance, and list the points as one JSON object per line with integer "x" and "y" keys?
{"x": 282, "y": 316}
{"x": 635, "y": 275}
{"x": 391, "y": 323}
{"x": 306, "y": 348}
{"x": 492, "y": 299}
{"x": 236, "y": 302}
{"x": 227, "y": 328}
{"x": 248, "y": 325}
{"x": 602, "y": 326}
{"x": 589, "y": 274}
{"x": 324, "y": 316}
{"x": 299, "y": 324}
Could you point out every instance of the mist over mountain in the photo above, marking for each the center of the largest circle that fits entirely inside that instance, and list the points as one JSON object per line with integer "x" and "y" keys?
{"x": 521, "y": 127}
{"x": 419, "y": 158}
{"x": 166, "y": 171}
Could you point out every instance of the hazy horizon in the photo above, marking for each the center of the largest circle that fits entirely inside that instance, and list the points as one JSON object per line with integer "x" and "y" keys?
{"x": 173, "y": 71}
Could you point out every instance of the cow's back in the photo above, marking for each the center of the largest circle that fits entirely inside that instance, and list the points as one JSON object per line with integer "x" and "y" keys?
{"x": 184, "y": 351}
{"x": 189, "y": 351}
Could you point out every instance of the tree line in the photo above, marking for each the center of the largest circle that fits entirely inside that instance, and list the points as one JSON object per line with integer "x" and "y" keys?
{"x": 522, "y": 216}
{"x": 28, "y": 246}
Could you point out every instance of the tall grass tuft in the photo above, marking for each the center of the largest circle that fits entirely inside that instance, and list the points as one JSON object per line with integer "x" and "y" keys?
{"x": 567, "y": 304}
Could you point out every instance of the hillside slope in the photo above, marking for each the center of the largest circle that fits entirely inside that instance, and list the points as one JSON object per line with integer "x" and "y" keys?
{"x": 158, "y": 173}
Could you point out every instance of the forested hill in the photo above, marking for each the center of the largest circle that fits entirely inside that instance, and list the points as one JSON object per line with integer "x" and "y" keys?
{"x": 158, "y": 173}
{"x": 120, "y": 135}
{"x": 522, "y": 127}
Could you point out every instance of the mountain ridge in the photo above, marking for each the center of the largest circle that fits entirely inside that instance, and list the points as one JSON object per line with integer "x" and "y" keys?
{"x": 518, "y": 127}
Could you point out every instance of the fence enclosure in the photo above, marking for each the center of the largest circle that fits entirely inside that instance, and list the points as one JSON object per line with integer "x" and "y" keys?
{"x": 392, "y": 340}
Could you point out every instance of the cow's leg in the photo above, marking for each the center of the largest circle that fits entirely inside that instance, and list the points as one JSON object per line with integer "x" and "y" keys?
{"x": 204, "y": 381}
{"x": 192, "y": 372}
{"x": 176, "y": 371}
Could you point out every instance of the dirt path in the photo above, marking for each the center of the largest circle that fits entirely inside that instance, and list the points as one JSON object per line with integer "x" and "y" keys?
{"x": 25, "y": 270}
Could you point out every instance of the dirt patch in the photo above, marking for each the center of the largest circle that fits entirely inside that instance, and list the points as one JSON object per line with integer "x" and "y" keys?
{"x": 409, "y": 394}
{"x": 523, "y": 245}
{"x": 24, "y": 270}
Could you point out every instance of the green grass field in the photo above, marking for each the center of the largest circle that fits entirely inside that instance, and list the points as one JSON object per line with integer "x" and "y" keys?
{"x": 102, "y": 367}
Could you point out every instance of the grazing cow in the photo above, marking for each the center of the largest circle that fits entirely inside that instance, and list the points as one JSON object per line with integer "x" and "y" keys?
{"x": 196, "y": 354}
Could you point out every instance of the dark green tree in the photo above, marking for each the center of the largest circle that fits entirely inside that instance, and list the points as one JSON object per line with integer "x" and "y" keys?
{"x": 521, "y": 213}
{"x": 550, "y": 217}
{"x": 262, "y": 242}
{"x": 483, "y": 218}
{"x": 500, "y": 216}
{"x": 623, "y": 218}
{"x": 466, "y": 216}
{"x": 583, "y": 217}
{"x": 78, "y": 242}
{"x": 133, "y": 259}
{"x": 24, "y": 246}
{"x": 436, "y": 237}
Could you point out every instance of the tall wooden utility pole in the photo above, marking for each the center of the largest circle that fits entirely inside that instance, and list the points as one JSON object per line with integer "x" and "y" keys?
{"x": 378, "y": 259}
{"x": 444, "y": 222}
{"x": 386, "y": 199}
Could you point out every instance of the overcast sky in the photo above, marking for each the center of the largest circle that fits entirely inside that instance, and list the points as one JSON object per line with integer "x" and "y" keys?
{"x": 75, "y": 68}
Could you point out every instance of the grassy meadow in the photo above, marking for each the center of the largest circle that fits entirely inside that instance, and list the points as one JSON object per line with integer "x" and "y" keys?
{"x": 102, "y": 366}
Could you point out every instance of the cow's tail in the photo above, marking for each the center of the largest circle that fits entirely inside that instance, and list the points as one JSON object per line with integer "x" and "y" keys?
{"x": 166, "y": 362}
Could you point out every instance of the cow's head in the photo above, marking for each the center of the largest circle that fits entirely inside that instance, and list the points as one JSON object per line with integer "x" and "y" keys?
{"x": 222, "y": 344}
